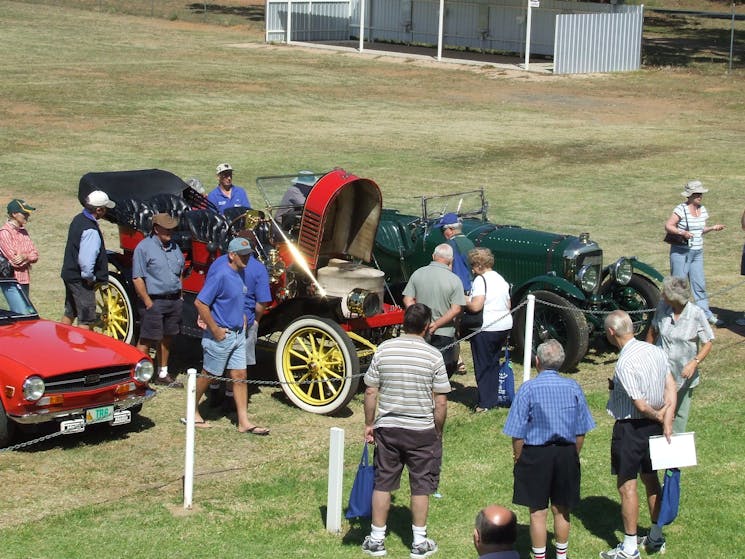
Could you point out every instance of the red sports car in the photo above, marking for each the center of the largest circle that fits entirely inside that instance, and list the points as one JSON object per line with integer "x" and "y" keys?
{"x": 50, "y": 372}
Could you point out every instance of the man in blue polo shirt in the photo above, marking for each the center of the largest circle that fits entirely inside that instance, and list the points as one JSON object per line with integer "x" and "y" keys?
{"x": 547, "y": 422}
{"x": 226, "y": 194}
{"x": 258, "y": 296}
{"x": 157, "y": 264}
{"x": 220, "y": 305}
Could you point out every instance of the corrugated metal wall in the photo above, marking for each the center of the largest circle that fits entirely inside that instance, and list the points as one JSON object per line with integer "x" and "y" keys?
{"x": 611, "y": 42}
{"x": 313, "y": 20}
{"x": 598, "y": 42}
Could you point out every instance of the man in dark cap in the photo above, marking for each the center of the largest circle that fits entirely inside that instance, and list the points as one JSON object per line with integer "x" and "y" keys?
{"x": 16, "y": 244}
{"x": 157, "y": 265}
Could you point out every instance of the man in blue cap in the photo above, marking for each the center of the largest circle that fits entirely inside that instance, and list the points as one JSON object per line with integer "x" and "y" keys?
{"x": 220, "y": 305}
{"x": 452, "y": 230}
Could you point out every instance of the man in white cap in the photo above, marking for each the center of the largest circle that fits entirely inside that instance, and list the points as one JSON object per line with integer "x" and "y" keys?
{"x": 220, "y": 305}
{"x": 226, "y": 194}
{"x": 157, "y": 265}
{"x": 84, "y": 263}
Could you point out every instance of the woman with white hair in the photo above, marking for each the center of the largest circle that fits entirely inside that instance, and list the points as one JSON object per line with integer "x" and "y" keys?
{"x": 688, "y": 220}
{"x": 680, "y": 328}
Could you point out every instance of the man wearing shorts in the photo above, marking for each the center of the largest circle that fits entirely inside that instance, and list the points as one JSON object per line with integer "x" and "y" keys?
{"x": 258, "y": 296}
{"x": 220, "y": 307}
{"x": 642, "y": 400}
{"x": 84, "y": 263}
{"x": 547, "y": 422}
{"x": 408, "y": 384}
{"x": 157, "y": 264}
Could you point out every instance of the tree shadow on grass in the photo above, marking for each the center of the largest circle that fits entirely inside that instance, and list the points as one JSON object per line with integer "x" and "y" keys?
{"x": 251, "y": 13}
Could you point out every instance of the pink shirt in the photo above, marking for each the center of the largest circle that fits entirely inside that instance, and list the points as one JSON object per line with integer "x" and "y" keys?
{"x": 16, "y": 240}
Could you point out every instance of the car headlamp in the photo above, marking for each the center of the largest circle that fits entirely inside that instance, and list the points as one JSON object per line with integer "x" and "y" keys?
{"x": 33, "y": 388}
{"x": 144, "y": 370}
{"x": 622, "y": 270}
{"x": 588, "y": 278}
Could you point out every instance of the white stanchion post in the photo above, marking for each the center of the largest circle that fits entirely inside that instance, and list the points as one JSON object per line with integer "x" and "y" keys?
{"x": 336, "y": 479}
{"x": 191, "y": 397}
{"x": 362, "y": 25}
{"x": 528, "y": 345}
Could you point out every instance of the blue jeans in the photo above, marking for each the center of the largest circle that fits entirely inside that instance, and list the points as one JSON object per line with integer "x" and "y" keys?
{"x": 687, "y": 263}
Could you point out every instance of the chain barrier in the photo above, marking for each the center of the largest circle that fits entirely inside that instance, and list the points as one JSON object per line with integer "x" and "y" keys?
{"x": 173, "y": 386}
{"x": 49, "y": 436}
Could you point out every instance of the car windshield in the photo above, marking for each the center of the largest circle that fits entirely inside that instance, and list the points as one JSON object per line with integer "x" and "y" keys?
{"x": 14, "y": 303}
{"x": 466, "y": 204}
{"x": 273, "y": 190}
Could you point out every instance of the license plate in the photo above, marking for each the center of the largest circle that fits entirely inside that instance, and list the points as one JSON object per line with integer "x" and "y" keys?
{"x": 99, "y": 415}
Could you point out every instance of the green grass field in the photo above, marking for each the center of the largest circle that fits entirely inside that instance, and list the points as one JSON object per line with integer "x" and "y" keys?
{"x": 92, "y": 91}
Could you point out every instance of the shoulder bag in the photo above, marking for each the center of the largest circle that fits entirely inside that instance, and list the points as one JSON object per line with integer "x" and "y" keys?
{"x": 470, "y": 321}
{"x": 677, "y": 238}
{"x": 360, "y": 499}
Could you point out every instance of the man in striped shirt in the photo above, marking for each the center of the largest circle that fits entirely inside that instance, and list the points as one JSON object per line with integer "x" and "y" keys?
{"x": 642, "y": 401}
{"x": 408, "y": 384}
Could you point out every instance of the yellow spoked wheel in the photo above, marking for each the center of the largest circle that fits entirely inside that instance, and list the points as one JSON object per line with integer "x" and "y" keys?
{"x": 114, "y": 311}
{"x": 317, "y": 364}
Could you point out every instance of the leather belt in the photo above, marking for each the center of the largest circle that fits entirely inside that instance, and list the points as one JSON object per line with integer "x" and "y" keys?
{"x": 170, "y": 296}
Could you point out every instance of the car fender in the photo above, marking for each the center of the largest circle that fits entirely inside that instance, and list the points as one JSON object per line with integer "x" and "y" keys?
{"x": 646, "y": 269}
{"x": 552, "y": 283}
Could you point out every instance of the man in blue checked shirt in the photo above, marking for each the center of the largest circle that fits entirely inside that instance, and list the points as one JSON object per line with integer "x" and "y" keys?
{"x": 547, "y": 422}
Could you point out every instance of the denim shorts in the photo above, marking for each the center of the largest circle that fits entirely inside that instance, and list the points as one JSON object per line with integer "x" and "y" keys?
{"x": 229, "y": 354}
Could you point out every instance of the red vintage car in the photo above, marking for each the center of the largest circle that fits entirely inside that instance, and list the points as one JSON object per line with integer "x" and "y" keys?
{"x": 50, "y": 372}
{"x": 328, "y": 312}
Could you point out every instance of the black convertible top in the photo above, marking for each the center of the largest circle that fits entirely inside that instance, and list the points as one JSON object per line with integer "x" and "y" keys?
{"x": 123, "y": 185}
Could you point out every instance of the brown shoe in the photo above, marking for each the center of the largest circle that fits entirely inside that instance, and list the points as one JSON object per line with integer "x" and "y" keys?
{"x": 169, "y": 381}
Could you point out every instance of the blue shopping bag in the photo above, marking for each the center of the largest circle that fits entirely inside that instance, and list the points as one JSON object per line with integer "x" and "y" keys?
{"x": 360, "y": 498}
{"x": 670, "y": 497}
{"x": 506, "y": 390}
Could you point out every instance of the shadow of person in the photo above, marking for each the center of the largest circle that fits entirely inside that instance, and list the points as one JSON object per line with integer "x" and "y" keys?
{"x": 600, "y": 516}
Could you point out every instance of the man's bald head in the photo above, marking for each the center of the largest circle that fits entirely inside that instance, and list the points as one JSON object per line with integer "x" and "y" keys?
{"x": 496, "y": 529}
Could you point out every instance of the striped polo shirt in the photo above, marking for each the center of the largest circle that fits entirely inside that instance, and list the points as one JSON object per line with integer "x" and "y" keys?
{"x": 640, "y": 375}
{"x": 407, "y": 371}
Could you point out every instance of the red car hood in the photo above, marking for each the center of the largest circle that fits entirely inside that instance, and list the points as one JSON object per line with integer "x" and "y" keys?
{"x": 49, "y": 348}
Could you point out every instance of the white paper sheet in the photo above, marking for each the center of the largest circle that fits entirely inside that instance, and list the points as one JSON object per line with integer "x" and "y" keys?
{"x": 679, "y": 453}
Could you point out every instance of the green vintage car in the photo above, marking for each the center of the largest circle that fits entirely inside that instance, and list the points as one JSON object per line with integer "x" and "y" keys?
{"x": 573, "y": 287}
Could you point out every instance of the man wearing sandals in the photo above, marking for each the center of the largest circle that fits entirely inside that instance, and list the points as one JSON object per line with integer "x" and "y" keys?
{"x": 220, "y": 305}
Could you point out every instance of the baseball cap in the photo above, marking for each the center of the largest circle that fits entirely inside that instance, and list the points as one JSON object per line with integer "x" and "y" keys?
{"x": 16, "y": 205}
{"x": 223, "y": 167}
{"x": 239, "y": 245}
{"x": 165, "y": 220}
{"x": 448, "y": 220}
{"x": 99, "y": 199}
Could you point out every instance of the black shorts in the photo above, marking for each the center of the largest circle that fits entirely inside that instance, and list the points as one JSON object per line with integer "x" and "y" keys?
{"x": 629, "y": 448}
{"x": 419, "y": 451}
{"x": 160, "y": 320}
{"x": 544, "y": 473}
{"x": 80, "y": 302}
